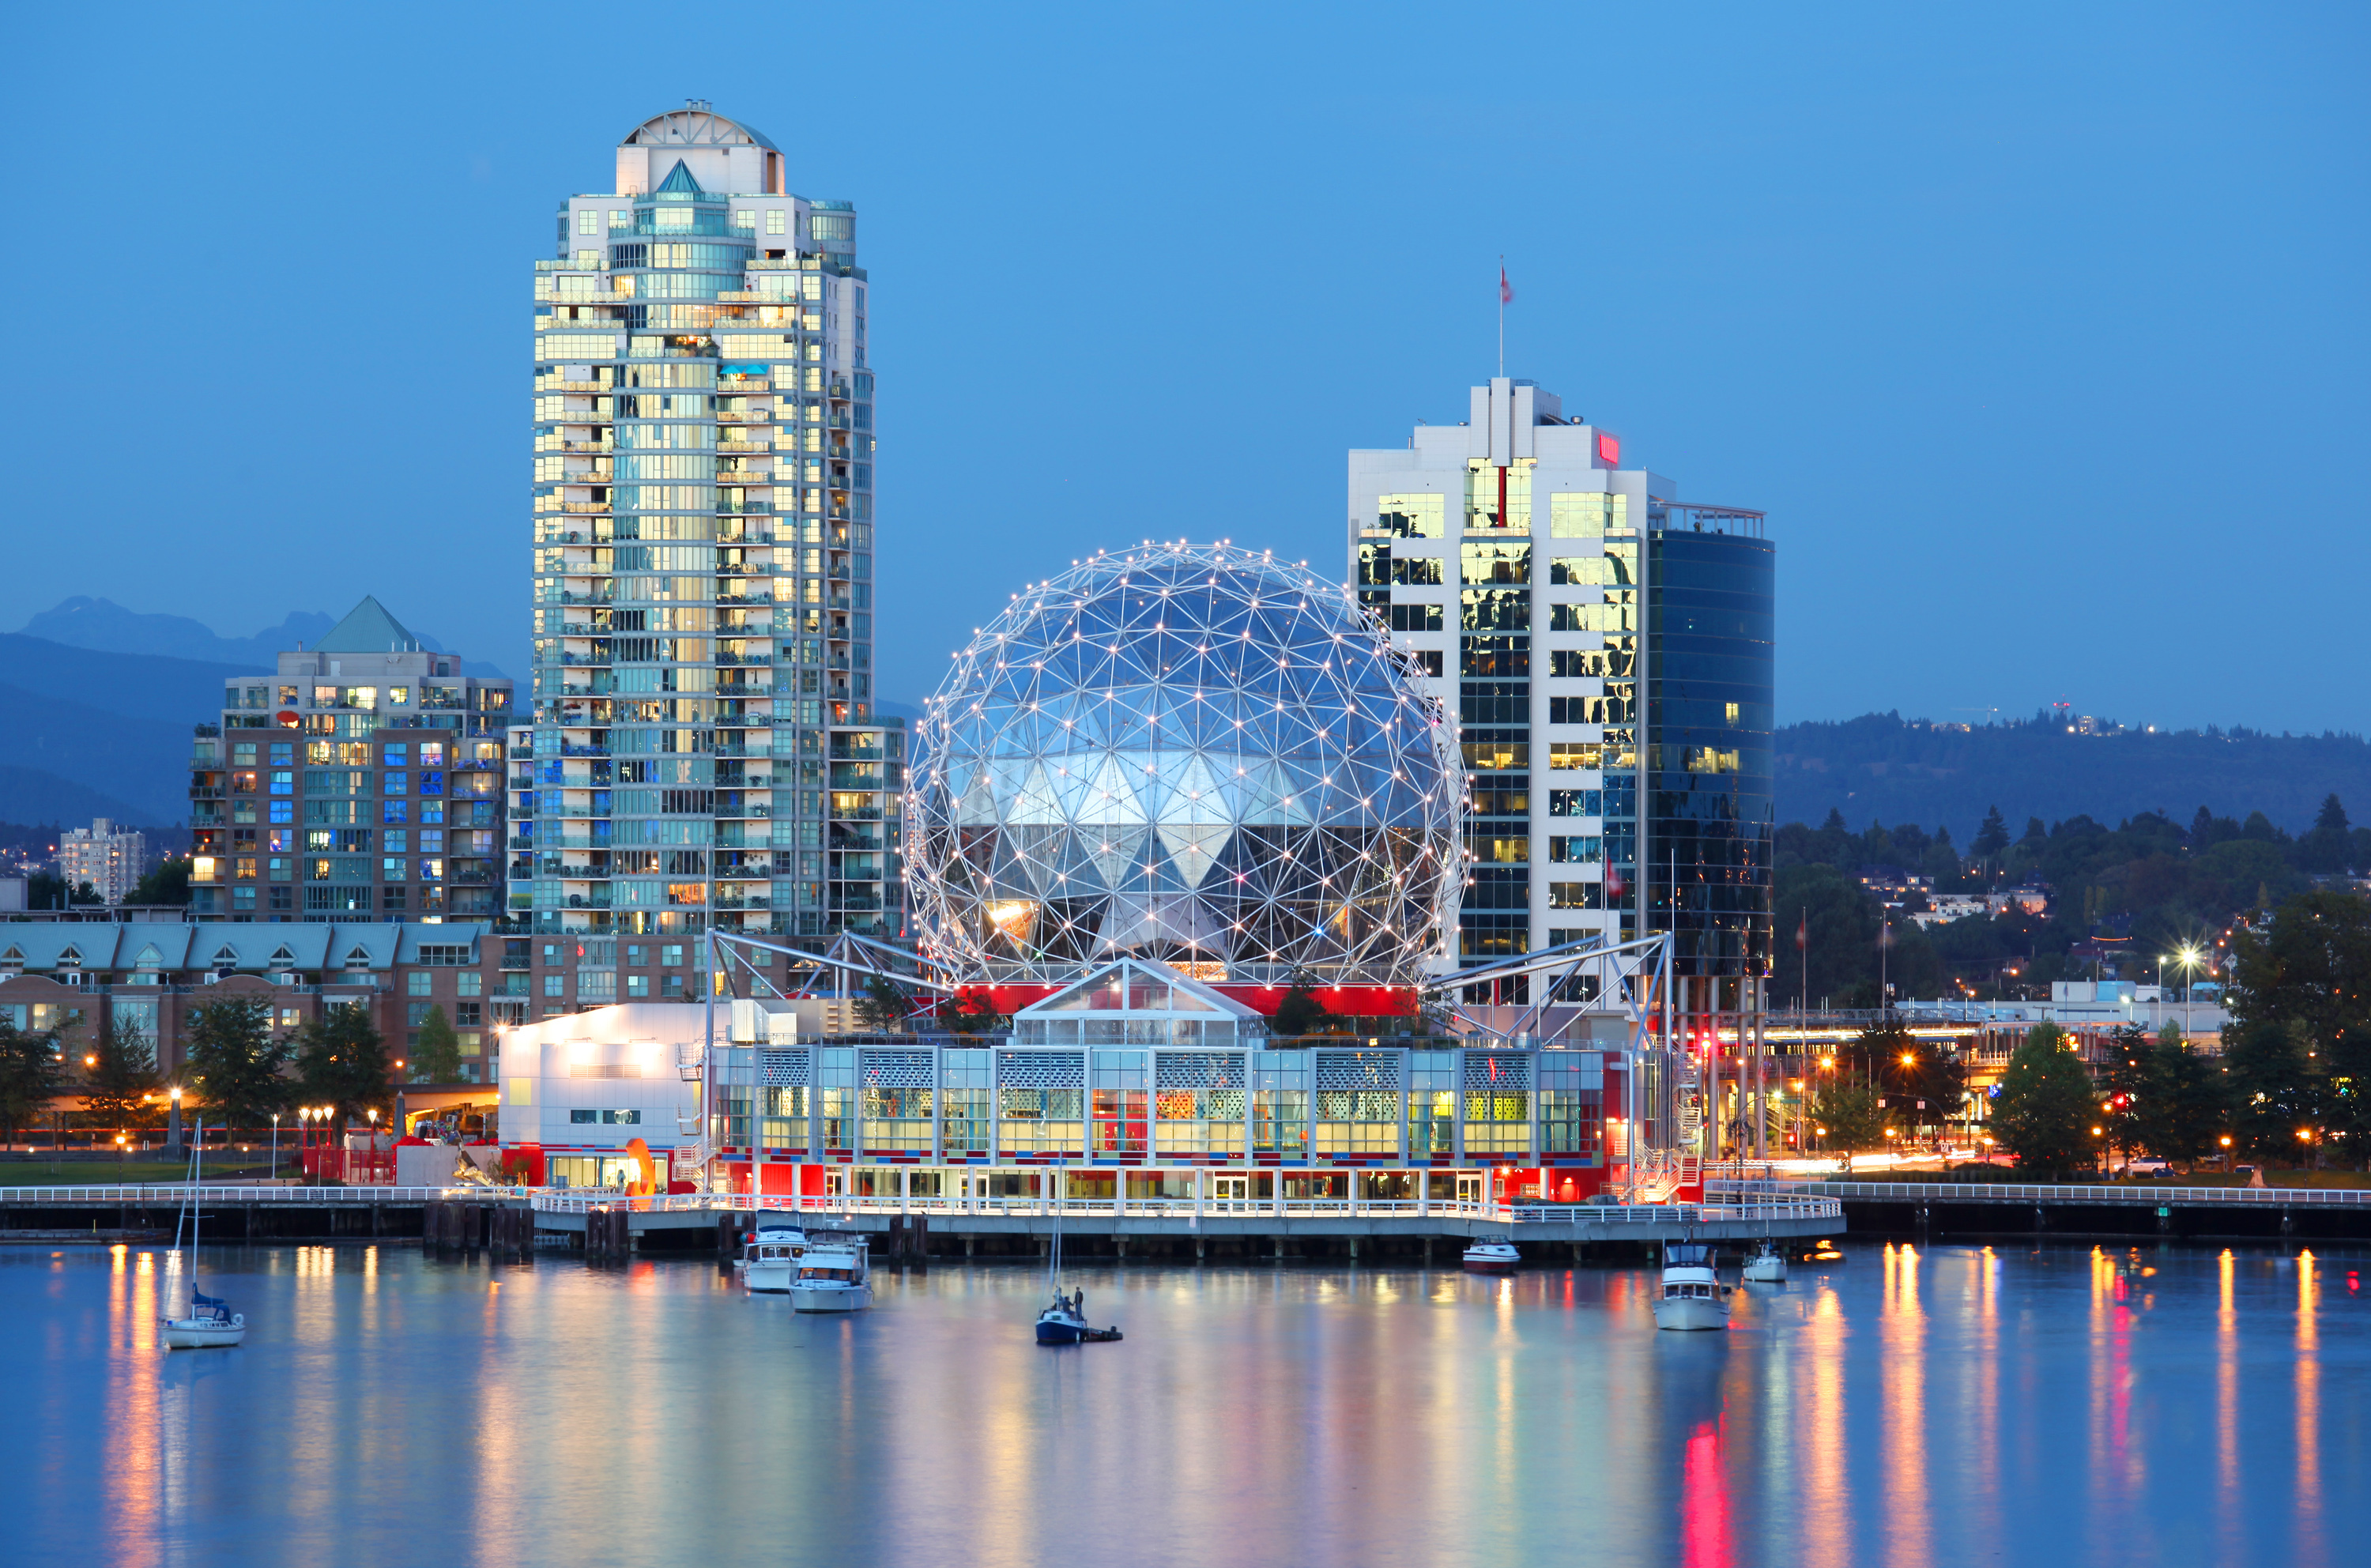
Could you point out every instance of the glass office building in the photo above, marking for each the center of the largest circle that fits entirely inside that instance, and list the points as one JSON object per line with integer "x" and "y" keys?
{"x": 703, "y": 744}
{"x": 1607, "y": 652}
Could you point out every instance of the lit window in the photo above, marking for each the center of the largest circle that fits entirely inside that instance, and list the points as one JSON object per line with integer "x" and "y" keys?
{"x": 773, "y": 221}
{"x": 586, "y": 220}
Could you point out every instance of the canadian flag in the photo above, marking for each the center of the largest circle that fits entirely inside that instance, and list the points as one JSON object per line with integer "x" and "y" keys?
{"x": 1804, "y": 932}
{"x": 1613, "y": 882}
{"x": 1506, "y": 289}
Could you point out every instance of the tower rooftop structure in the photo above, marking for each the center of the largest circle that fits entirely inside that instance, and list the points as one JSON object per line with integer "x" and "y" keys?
{"x": 724, "y": 155}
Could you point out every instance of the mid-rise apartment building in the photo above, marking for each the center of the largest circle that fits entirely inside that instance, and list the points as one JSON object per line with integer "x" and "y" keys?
{"x": 149, "y": 977}
{"x": 1607, "y": 652}
{"x": 363, "y": 781}
{"x": 111, "y": 859}
{"x": 703, "y": 742}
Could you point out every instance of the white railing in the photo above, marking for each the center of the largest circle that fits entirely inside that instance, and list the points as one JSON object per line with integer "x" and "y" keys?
{"x": 1774, "y": 1208}
{"x": 156, "y": 1193}
{"x": 2135, "y": 1194}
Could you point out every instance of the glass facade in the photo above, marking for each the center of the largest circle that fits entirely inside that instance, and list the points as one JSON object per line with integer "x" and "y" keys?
{"x": 704, "y": 744}
{"x": 1706, "y": 765}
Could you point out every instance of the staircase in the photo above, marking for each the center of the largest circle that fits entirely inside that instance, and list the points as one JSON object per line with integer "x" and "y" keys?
{"x": 1662, "y": 1174}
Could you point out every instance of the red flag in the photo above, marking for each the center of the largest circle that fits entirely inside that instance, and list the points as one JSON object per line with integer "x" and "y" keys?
{"x": 1613, "y": 882}
{"x": 1804, "y": 932}
{"x": 1506, "y": 289}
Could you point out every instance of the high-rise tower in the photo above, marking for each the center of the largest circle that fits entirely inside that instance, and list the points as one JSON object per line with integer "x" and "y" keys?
{"x": 1607, "y": 650}
{"x": 703, "y": 744}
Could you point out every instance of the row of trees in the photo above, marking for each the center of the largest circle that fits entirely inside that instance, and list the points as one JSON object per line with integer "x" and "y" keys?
{"x": 238, "y": 1066}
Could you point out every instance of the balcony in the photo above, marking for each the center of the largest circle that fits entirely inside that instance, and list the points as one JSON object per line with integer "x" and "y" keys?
{"x": 588, "y": 446}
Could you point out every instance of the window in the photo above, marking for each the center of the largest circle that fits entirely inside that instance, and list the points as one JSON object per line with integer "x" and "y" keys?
{"x": 1415, "y": 617}
{"x": 1576, "y": 851}
{"x": 394, "y": 842}
{"x": 419, "y": 983}
{"x": 468, "y": 1013}
{"x": 394, "y": 784}
{"x": 671, "y": 954}
{"x": 469, "y": 983}
{"x": 391, "y": 900}
{"x": 638, "y": 985}
{"x": 1410, "y": 517}
{"x": 1587, "y": 515}
{"x": 1575, "y": 803}
{"x": 774, "y": 216}
{"x": 431, "y": 783}
{"x": 416, "y": 1013}
{"x": 553, "y": 984}
{"x": 283, "y": 779}
{"x": 586, "y": 218}
{"x": 670, "y": 987}
{"x": 635, "y": 953}
{"x": 283, "y": 898}
{"x": 394, "y": 810}
{"x": 606, "y": 1118}
{"x": 397, "y": 754}
{"x": 1569, "y": 755}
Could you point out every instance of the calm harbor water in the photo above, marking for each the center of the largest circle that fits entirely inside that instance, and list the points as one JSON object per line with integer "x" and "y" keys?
{"x": 1905, "y": 1408}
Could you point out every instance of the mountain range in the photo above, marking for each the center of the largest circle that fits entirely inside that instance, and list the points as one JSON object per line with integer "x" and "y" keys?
{"x": 97, "y": 705}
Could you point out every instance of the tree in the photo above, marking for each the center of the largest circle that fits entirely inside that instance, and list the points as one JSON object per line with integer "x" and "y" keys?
{"x": 1299, "y": 1012}
{"x": 971, "y": 1010}
{"x": 120, "y": 1085}
{"x": 1846, "y": 1119}
{"x": 31, "y": 1075}
{"x": 2046, "y": 1108}
{"x": 2272, "y": 1088}
{"x": 437, "y": 1057}
{"x": 167, "y": 882}
{"x": 234, "y": 1060}
{"x": 1992, "y": 839}
{"x": 882, "y": 1007}
{"x": 2310, "y": 965}
{"x": 344, "y": 1064}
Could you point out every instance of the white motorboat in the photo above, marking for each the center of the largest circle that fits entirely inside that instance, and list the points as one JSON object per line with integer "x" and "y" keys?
{"x": 1492, "y": 1257}
{"x": 211, "y": 1324}
{"x": 769, "y": 1260}
{"x": 835, "y": 1275}
{"x": 1766, "y": 1266}
{"x": 1693, "y": 1296}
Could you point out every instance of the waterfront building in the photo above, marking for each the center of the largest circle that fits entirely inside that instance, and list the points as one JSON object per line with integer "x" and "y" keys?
{"x": 111, "y": 859}
{"x": 148, "y": 976}
{"x": 363, "y": 781}
{"x": 1606, "y": 651}
{"x": 704, "y": 746}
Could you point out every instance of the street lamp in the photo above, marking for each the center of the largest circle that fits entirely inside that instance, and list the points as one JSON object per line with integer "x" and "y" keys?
{"x": 275, "y": 1145}
{"x": 173, "y": 1149}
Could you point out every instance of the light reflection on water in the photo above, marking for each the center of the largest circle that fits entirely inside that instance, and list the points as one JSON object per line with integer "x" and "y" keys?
{"x": 1917, "y": 1406}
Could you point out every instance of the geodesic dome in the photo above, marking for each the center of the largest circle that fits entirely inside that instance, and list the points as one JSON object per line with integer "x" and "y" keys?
{"x": 1189, "y": 752}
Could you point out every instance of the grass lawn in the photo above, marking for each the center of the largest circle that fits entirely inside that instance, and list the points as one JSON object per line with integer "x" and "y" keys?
{"x": 108, "y": 1173}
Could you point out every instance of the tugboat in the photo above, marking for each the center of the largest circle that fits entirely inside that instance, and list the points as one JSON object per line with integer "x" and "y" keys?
{"x": 210, "y": 1325}
{"x": 836, "y": 1276}
{"x": 1492, "y": 1257}
{"x": 770, "y": 1262}
{"x": 1693, "y": 1296}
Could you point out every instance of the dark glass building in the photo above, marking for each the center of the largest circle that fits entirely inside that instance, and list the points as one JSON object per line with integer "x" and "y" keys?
{"x": 1706, "y": 824}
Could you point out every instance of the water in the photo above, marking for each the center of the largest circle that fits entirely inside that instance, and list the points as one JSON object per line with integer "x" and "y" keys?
{"x": 1954, "y": 1406}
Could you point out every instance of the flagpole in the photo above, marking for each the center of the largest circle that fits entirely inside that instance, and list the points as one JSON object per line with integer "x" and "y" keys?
{"x": 1502, "y": 317}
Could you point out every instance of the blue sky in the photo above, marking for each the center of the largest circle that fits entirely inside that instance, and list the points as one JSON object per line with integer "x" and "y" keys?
{"x": 2037, "y": 330}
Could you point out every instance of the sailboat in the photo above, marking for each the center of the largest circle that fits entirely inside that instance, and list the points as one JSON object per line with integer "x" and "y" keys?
{"x": 1064, "y": 1321}
{"x": 211, "y": 1324}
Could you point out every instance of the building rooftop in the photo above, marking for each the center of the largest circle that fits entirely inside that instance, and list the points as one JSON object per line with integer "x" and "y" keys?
{"x": 368, "y": 628}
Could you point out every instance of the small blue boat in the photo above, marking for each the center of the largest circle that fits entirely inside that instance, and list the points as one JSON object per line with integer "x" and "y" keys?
{"x": 1065, "y": 1321}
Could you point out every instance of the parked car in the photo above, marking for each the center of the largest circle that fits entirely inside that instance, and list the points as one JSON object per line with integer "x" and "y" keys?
{"x": 2147, "y": 1165}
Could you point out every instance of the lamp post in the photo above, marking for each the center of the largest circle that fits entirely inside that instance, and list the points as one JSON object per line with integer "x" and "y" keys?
{"x": 275, "y": 1145}
{"x": 173, "y": 1147}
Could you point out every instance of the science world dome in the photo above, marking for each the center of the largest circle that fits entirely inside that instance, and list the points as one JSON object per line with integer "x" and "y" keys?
{"x": 1189, "y": 752}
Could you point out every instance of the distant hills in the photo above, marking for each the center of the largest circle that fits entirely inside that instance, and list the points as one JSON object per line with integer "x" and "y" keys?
{"x": 97, "y": 705}
{"x": 1886, "y": 768}
{"x": 108, "y": 626}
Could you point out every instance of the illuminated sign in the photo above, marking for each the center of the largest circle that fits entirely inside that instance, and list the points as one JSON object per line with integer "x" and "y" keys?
{"x": 1609, "y": 449}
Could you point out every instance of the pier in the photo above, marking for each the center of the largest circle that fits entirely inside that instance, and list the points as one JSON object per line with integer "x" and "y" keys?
{"x": 608, "y": 1225}
{"x": 2120, "y": 1210}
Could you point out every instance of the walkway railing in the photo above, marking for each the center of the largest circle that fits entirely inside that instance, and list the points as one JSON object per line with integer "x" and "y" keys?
{"x": 1789, "y": 1206}
{"x": 2052, "y": 1193}
{"x": 156, "y": 1195}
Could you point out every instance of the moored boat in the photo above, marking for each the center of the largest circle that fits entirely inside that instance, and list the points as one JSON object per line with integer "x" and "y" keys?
{"x": 769, "y": 1260}
{"x": 834, "y": 1275}
{"x": 1492, "y": 1257}
{"x": 211, "y": 1324}
{"x": 1766, "y": 1266}
{"x": 1693, "y": 1296}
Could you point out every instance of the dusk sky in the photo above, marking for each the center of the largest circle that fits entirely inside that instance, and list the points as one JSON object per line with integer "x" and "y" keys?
{"x": 2039, "y": 331}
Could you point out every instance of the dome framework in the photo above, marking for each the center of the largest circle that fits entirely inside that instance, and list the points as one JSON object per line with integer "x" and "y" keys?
{"x": 1189, "y": 752}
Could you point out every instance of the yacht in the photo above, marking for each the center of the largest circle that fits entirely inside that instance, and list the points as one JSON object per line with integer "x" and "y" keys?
{"x": 770, "y": 1262}
{"x": 1492, "y": 1257}
{"x": 1693, "y": 1296}
{"x": 1766, "y": 1266}
{"x": 835, "y": 1275}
